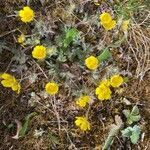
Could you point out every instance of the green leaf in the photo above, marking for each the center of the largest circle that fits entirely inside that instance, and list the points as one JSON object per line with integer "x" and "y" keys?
{"x": 132, "y": 116}
{"x": 135, "y": 118}
{"x": 135, "y": 111}
{"x": 135, "y": 134}
{"x": 71, "y": 34}
{"x": 126, "y": 113}
{"x": 105, "y": 55}
{"x": 126, "y": 132}
{"x": 24, "y": 128}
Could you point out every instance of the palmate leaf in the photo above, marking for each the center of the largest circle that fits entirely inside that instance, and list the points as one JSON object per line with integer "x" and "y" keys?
{"x": 126, "y": 132}
{"x": 132, "y": 116}
{"x": 133, "y": 133}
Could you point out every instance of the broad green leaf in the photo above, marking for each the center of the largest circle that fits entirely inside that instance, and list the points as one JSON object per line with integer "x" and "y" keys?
{"x": 126, "y": 113}
{"x": 135, "y": 118}
{"x": 135, "y": 111}
{"x": 104, "y": 55}
{"x": 135, "y": 134}
{"x": 24, "y": 128}
{"x": 126, "y": 132}
{"x": 71, "y": 34}
{"x": 132, "y": 116}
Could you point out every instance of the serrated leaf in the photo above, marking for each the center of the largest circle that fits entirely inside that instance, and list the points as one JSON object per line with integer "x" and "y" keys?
{"x": 24, "y": 128}
{"x": 132, "y": 116}
{"x": 126, "y": 132}
{"x": 71, "y": 34}
{"x": 135, "y": 118}
{"x": 104, "y": 55}
{"x": 135, "y": 134}
{"x": 126, "y": 113}
{"x": 129, "y": 121}
{"x": 135, "y": 111}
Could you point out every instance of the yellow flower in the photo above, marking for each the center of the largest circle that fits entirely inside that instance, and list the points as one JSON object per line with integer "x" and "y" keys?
{"x": 10, "y": 81}
{"x": 105, "y": 17}
{"x": 91, "y": 62}
{"x": 110, "y": 25}
{"x": 39, "y": 52}
{"x": 125, "y": 25}
{"x": 21, "y": 38}
{"x": 51, "y": 88}
{"x": 106, "y": 21}
{"x": 103, "y": 92}
{"x": 83, "y": 123}
{"x": 116, "y": 80}
{"x": 106, "y": 82}
{"x": 83, "y": 100}
{"x": 26, "y": 14}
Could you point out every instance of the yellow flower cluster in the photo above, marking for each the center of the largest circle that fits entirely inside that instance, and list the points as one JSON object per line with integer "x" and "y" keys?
{"x": 26, "y": 14}
{"x": 52, "y": 88}
{"x": 39, "y": 52}
{"x": 107, "y": 22}
{"x": 10, "y": 81}
{"x": 83, "y": 123}
{"x": 91, "y": 62}
{"x": 103, "y": 90}
{"x": 83, "y": 101}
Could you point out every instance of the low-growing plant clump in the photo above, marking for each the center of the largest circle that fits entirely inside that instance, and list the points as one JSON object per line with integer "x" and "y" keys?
{"x": 76, "y": 71}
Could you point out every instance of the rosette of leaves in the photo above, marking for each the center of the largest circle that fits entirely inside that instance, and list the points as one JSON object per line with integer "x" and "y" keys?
{"x": 133, "y": 133}
{"x": 68, "y": 44}
{"x": 133, "y": 115}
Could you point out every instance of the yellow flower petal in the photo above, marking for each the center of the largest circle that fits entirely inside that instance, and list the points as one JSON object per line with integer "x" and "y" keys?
{"x": 9, "y": 81}
{"x": 103, "y": 92}
{"x": 106, "y": 82}
{"x": 39, "y": 52}
{"x": 105, "y": 18}
{"x": 26, "y": 14}
{"x": 83, "y": 101}
{"x": 6, "y": 76}
{"x": 91, "y": 62}
{"x": 51, "y": 88}
{"x": 110, "y": 25}
{"x": 116, "y": 80}
{"x": 82, "y": 123}
{"x": 6, "y": 83}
